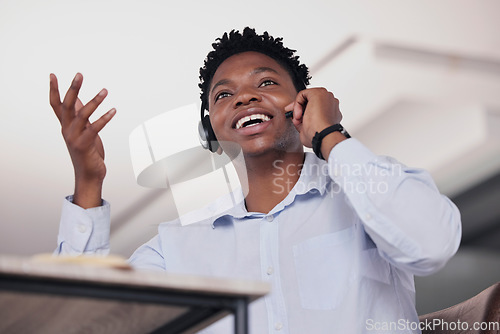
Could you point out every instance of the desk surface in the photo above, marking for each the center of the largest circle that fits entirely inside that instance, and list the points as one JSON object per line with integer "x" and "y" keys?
{"x": 57, "y": 308}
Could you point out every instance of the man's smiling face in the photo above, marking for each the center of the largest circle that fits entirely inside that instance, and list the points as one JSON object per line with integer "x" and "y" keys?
{"x": 247, "y": 99}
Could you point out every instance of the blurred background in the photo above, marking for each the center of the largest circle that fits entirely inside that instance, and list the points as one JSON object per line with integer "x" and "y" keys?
{"x": 417, "y": 80}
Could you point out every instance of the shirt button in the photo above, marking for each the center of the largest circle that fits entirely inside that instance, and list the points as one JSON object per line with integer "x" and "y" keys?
{"x": 270, "y": 218}
{"x": 278, "y": 326}
{"x": 82, "y": 228}
{"x": 368, "y": 216}
{"x": 270, "y": 270}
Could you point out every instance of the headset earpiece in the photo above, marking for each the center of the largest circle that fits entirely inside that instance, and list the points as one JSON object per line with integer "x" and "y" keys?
{"x": 207, "y": 135}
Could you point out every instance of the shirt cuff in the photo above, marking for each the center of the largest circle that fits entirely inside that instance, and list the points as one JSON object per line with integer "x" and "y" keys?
{"x": 83, "y": 230}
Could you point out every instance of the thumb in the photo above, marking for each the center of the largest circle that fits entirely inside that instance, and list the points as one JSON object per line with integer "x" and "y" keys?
{"x": 290, "y": 106}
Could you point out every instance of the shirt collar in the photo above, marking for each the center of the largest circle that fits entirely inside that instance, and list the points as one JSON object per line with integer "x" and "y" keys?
{"x": 232, "y": 204}
{"x": 313, "y": 177}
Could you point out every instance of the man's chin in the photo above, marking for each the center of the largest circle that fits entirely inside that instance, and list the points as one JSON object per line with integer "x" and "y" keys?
{"x": 264, "y": 151}
{"x": 259, "y": 147}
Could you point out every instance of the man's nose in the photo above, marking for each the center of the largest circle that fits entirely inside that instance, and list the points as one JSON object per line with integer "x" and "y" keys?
{"x": 247, "y": 96}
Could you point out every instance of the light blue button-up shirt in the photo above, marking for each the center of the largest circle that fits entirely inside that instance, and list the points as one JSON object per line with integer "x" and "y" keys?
{"x": 339, "y": 251}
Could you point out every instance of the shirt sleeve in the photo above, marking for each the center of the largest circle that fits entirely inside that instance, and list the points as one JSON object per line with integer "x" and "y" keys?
{"x": 414, "y": 226}
{"x": 149, "y": 256}
{"x": 86, "y": 231}
{"x": 83, "y": 231}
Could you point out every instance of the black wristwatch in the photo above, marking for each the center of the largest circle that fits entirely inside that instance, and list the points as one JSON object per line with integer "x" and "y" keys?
{"x": 318, "y": 138}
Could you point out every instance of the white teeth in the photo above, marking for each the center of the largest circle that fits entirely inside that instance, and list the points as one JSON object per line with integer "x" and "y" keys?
{"x": 263, "y": 118}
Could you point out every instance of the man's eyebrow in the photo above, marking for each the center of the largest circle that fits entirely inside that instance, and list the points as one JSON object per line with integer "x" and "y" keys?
{"x": 264, "y": 69}
{"x": 255, "y": 71}
{"x": 220, "y": 83}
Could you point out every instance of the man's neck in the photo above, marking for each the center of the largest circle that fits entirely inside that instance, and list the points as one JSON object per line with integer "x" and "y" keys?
{"x": 270, "y": 178}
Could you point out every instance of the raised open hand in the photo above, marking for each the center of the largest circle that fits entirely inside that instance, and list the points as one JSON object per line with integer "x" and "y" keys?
{"x": 82, "y": 139}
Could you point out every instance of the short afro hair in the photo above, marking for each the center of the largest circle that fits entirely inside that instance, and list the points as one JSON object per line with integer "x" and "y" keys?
{"x": 235, "y": 42}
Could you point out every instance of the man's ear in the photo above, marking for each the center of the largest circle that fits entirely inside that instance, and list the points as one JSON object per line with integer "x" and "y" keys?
{"x": 219, "y": 150}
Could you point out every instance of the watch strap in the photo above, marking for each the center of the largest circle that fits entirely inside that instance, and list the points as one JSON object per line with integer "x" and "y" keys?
{"x": 318, "y": 138}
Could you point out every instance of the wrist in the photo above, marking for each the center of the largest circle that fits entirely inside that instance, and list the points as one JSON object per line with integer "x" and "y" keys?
{"x": 88, "y": 194}
{"x": 329, "y": 142}
{"x": 324, "y": 141}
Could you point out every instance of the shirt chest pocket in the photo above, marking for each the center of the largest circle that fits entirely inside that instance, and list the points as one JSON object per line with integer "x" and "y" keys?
{"x": 324, "y": 269}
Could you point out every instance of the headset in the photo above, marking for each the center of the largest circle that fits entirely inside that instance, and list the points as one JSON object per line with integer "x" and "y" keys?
{"x": 208, "y": 140}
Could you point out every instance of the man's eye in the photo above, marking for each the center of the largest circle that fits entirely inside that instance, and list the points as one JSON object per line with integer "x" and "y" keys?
{"x": 221, "y": 95}
{"x": 267, "y": 83}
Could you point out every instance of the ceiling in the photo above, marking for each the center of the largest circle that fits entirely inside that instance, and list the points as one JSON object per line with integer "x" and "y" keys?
{"x": 418, "y": 80}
